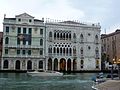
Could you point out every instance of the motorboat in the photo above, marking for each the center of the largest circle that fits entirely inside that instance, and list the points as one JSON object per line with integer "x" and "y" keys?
{"x": 45, "y": 73}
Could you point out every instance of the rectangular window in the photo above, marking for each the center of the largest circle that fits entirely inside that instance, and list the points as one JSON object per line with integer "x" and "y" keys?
{"x": 19, "y": 30}
{"x": 18, "y": 52}
{"x": 29, "y": 52}
{"x": 29, "y": 42}
{"x": 30, "y": 30}
{"x": 23, "y": 52}
{"x": 7, "y": 29}
{"x": 24, "y": 42}
{"x": 41, "y": 51}
{"x": 24, "y": 30}
{"x": 6, "y": 51}
{"x": 41, "y": 31}
{"x": 18, "y": 41}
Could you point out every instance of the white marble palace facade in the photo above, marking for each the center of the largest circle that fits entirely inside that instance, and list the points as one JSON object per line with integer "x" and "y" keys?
{"x": 30, "y": 44}
{"x": 72, "y": 46}
{"x": 23, "y": 43}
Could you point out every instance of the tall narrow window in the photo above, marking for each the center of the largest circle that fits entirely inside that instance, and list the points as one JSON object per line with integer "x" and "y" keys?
{"x": 74, "y": 50}
{"x": 81, "y": 38}
{"x": 70, "y": 36}
{"x": 74, "y": 37}
{"x": 24, "y": 42}
{"x": 41, "y": 42}
{"x": 23, "y": 52}
{"x": 19, "y": 30}
{"x": 6, "y": 40}
{"x": 50, "y": 34}
{"x": 18, "y": 52}
{"x": 30, "y": 30}
{"x": 81, "y": 50}
{"x": 96, "y": 39}
{"x": 24, "y": 30}
{"x": 54, "y": 50}
{"x": 29, "y": 52}
{"x": 6, "y": 51}
{"x": 18, "y": 41}
{"x": 29, "y": 42}
{"x": 41, "y": 31}
{"x": 41, "y": 51}
{"x": 55, "y": 35}
{"x": 7, "y": 29}
{"x": 70, "y": 51}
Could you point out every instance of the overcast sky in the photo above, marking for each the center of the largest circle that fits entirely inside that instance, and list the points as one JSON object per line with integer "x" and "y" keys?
{"x": 107, "y": 12}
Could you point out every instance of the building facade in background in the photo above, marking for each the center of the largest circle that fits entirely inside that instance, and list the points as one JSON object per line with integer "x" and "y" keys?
{"x": 72, "y": 46}
{"x": 1, "y": 43}
{"x": 23, "y": 43}
{"x": 30, "y": 44}
{"x": 110, "y": 45}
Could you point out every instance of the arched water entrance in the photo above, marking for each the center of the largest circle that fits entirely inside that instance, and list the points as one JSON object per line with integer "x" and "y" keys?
{"x": 49, "y": 64}
{"x": 40, "y": 64}
{"x": 17, "y": 65}
{"x": 29, "y": 65}
{"x": 69, "y": 64}
{"x": 62, "y": 64}
{"x": 5, "y": 64}
{"x": 55, "y": 64}
{"x": 74, "y": 65}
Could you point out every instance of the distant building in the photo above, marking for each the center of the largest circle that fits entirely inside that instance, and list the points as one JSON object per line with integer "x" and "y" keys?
{"x": 1, "y": 42}
{"x": 72, "y": 46}
{"x": 23, "y": 43}
{"x": 110, "y": 45}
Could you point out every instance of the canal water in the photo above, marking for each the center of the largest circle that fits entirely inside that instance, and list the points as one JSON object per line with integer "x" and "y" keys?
{"x": 22, "y": 81}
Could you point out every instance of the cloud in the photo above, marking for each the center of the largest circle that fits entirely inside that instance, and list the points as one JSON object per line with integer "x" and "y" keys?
{"x": 104, "y": 11}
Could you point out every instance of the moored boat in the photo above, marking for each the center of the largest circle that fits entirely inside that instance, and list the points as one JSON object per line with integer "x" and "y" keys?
{"x": 45, "y": 73}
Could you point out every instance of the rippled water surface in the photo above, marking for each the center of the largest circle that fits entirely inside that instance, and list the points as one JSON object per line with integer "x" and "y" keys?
{"x": 22, "y": 81}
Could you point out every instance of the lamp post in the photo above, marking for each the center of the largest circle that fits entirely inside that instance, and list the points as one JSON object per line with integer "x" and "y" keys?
{"x": 112, "y": 69}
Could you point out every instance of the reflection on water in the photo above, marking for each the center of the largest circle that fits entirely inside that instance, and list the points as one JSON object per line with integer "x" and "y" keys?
{"x": 21, "y": 81}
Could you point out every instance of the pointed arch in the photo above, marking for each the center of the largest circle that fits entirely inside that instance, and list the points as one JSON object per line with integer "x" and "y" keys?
{"x": 61, "y": 36}
{"x": 58, "y": 35}
{"x": 69, "y": 36}
{"x": 66, "y": 35}
{"x": 49, "y": 64}
{"x": 54, "y": 50}
{"x": 61, "y": 50}
{"x": 74, "y": 65}
{"x": 55, "y": 64}
{"x": 55, "y": 35}
{"x": 50, "y": 34}
{"x": 70, "y": 51}
{"x": 57, "y": 50}
{"x": 69, "y": 64}
{"x": 74, "y": 50}
{"x": 62, "y": 64}
{"x": 81, "y": 38}
{"x": 66, "y": 51}
{"x": 96, "y": 39}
